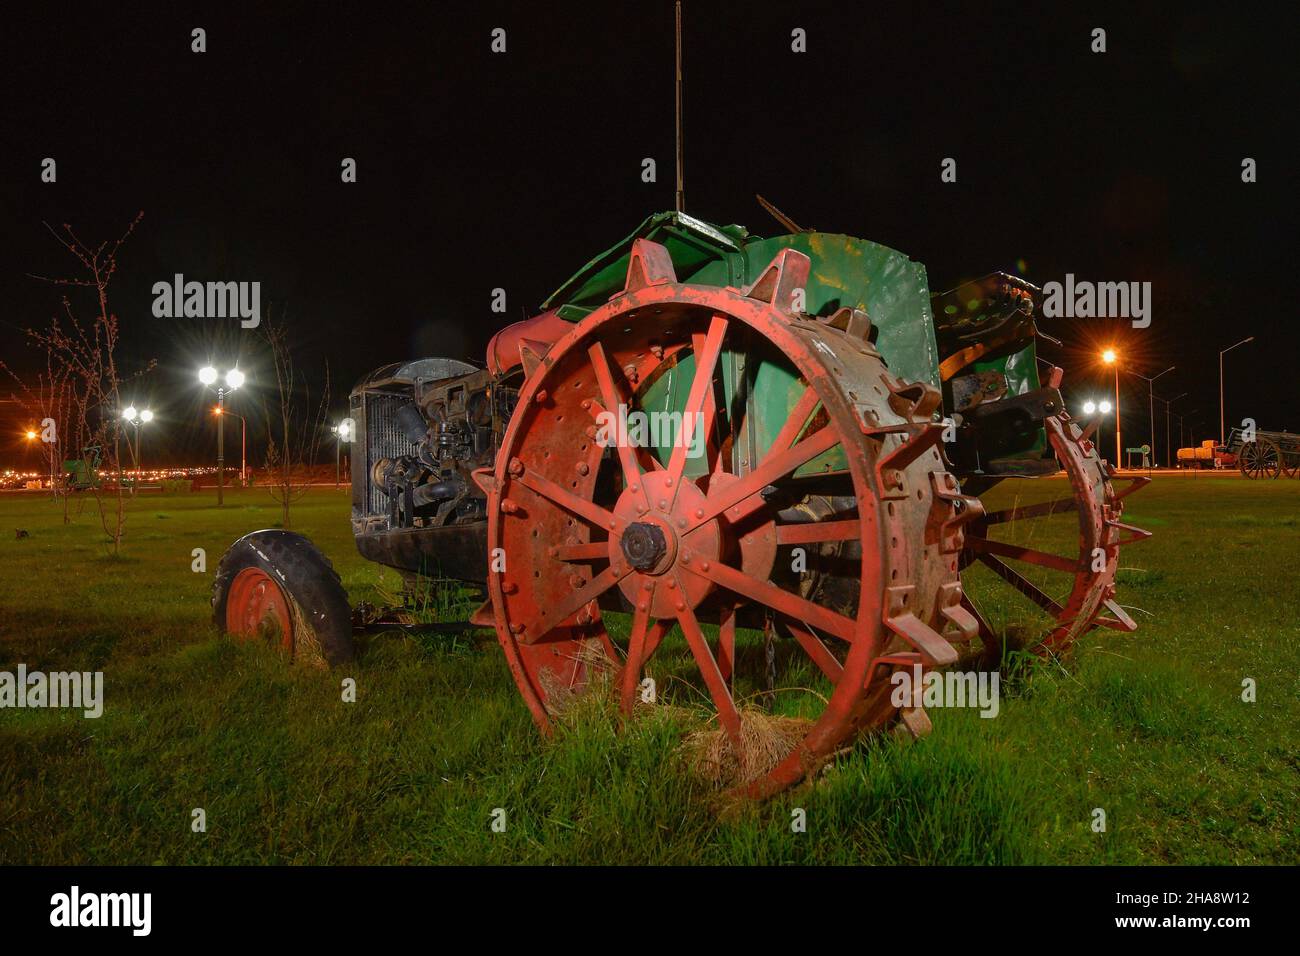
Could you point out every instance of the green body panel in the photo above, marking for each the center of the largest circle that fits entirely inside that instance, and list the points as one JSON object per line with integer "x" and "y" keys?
{"x": 1020, "y": 367}
{"x": 887, "y": 285}
{"x": 1021, "y": 372}
{"x": 80, "y": 474}
{"x": 846, "y": 271}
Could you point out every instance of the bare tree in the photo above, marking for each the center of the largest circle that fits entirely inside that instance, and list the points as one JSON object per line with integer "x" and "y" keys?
{"x": 82, "y": 380}
{"x": 51, "y": 408}
{"x": 293, "y": 428}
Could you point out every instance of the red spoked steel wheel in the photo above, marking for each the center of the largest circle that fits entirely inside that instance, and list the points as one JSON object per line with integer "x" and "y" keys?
{"x": 1084, "y": 596}
{"x": 257, "y": 607}
{"x": 583, "y": 529}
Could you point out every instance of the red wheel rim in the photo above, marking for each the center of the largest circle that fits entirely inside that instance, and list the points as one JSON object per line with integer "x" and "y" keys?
{"x": 257, "y": 607}
{"x": 1090, "y": 569}
{"x": 548, "y": 517}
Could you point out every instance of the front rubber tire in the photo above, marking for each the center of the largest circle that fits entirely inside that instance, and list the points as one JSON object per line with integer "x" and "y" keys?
{"x": 278, "y": 586}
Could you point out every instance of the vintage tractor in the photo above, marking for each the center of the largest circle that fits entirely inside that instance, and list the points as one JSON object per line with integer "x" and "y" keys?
{"x": 804, "y": 514}
{"x": 82, "y": 474}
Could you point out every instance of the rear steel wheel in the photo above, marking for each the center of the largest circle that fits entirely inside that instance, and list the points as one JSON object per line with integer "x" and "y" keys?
{"x": 585, "y": 529}
{"x": 1072, "y": 581}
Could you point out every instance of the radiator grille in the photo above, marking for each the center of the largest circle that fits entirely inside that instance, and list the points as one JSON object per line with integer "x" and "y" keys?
{"x": 383, "y": 440}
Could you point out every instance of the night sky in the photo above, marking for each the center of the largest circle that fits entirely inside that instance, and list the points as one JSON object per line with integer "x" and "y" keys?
{"x": 479, "y": 170}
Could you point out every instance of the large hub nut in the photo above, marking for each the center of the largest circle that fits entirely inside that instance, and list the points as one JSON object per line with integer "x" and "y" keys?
{"x": 644, "y": 545}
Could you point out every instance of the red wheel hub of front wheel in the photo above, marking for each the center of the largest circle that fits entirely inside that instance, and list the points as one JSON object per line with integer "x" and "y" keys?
{"x": 256, "y": 606}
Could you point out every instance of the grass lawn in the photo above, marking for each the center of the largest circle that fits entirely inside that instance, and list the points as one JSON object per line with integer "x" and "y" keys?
{"x": 1150, "y": 727}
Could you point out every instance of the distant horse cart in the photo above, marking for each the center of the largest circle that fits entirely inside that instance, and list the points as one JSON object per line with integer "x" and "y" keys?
{"x": 1268, "y": 455}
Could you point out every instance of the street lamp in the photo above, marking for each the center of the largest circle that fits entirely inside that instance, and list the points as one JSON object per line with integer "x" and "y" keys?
{"x": 1111, "y": 358}
{"x": 1169, "y": 444}
{"x": 342, "y": 432}
{"x": 208, "y": 376}
{"x": 243, "y": 442}
{"x": 1222, "y": 437}
{"x": 1151, "y": 405}
{"x": 1183, "y": 419}
{"x": 136, "y": 419}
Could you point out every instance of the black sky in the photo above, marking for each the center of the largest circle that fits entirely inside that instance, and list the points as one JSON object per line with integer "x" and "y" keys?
{"x": 478, "y": 170}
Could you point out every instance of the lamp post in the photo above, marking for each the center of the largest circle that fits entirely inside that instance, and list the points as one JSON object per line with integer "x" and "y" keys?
{"x": 52, "y": 451}
{"x": 136, "y": 419}
{"x": 1111, "y": 357}
{"x": 243, "y": 445}
{"x": 1222, "y": 434}
{"x": 1169, "y": 442}
{"x": 1151, "y": 406}
{"x": 30, "y": 435}
{"x": 342, "y": 432}
{"x": 233, "y": 379}
{"x": 1182, "y": 420}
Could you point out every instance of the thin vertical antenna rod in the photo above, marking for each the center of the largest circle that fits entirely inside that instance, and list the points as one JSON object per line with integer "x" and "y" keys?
{"x": 681, "y": 162}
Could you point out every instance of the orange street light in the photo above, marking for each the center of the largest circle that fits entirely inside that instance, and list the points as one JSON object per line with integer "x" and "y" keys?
{"x": 31, "y": 435}
{"x": 1110, "y": 357}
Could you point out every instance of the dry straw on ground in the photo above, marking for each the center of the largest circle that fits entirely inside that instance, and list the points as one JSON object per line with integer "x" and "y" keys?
{"x": 765, "y": 740}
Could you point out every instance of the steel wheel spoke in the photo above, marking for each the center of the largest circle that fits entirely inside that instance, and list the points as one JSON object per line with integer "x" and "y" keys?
{"x": 1043, "y": 559}
{"x": 701, "y": 386}
{"x": 794, "y": 425}
{"x": 1059, "y": 506}
{"x": 774, "y": 467}
{"x": 985, "y": 630}
{"x": 635, "y": 653}
{"x": 1023, "y": 585}
{"x": 816, "y": 532}
{"x": 783, "y": 602}
{"x": 814, "y": 648}
{"x": 718, "y": 690}
{"x": 552, "y": 617}
{"x": 709, "y": 416}
{"x": 727, "y": 643}
{"x": 591, "y": 551}
{"x": 569, "y": 502}
{"x": 615, "y": 404}
{"x": 653, "y": 639}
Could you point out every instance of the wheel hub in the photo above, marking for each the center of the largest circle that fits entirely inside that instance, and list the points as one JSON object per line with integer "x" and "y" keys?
{"x": 256, "y": 604}
{"x": 650, "y": 536}
{"x": 644, "y": 545}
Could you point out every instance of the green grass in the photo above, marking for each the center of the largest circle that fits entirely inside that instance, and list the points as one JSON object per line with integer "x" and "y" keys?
{"x": 1150, "y": 726}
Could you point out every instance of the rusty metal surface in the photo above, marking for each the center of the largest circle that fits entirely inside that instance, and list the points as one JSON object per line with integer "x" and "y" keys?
{"x": 1090, "y": 570}
{"x": 684, "y": 550}
{"x": 817, "y": 379}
